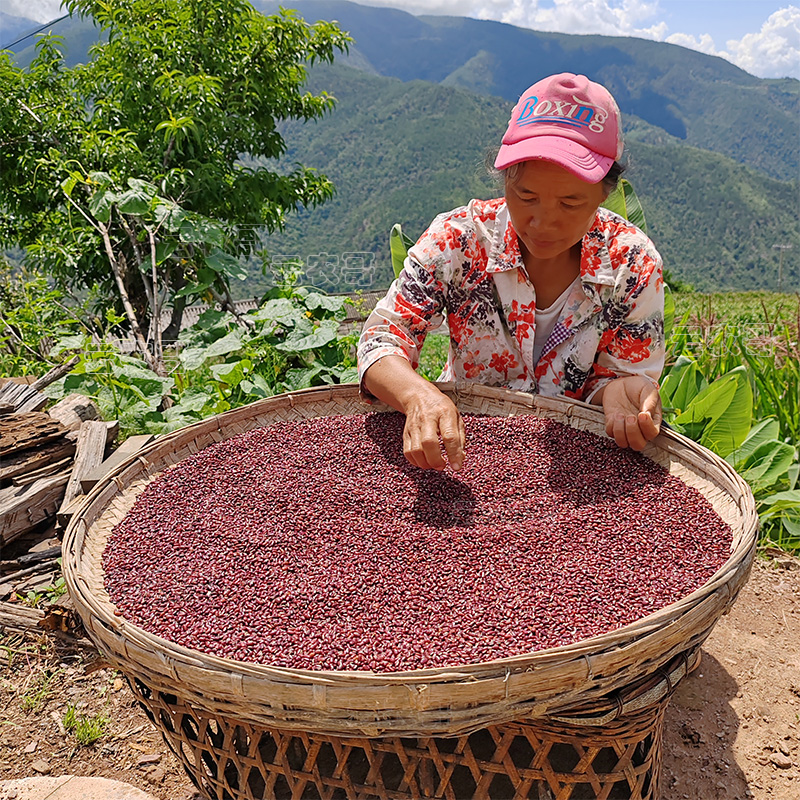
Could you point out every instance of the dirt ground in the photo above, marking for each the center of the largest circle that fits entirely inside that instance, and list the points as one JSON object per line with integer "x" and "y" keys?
{"x": 732, "y": 729}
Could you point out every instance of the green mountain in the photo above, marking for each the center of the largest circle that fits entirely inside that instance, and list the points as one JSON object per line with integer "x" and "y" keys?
{"x": 406, "y": 151}
{"x": 713, "y": 150}
{"x": 702, "y": 100}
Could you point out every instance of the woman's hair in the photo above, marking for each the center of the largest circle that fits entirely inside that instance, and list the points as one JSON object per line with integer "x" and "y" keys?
{"x": 609, "y": 182}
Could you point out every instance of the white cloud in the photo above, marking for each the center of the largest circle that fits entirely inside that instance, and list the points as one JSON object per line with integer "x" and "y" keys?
{"x": 606, "y": 17}
{"x": 704, "y": 43}
{"x": 773, "y": 52}
{"x": 37, "y": 10}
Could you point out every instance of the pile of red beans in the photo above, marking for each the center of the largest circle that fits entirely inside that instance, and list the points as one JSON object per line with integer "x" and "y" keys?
{"x": 315, "y": 545}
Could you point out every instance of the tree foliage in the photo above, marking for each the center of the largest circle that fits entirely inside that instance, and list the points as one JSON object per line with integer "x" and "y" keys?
{"x": 143, "y": 170}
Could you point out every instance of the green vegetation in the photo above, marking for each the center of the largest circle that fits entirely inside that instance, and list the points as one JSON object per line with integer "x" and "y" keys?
{"x": 86, "y": 729}
{"x": 39, "y": 688}
{"x": 405, "y": 152}
{"x": 48, "y": 593}
{"x": 291, "y": 341}
{"x": 124, "y": 175}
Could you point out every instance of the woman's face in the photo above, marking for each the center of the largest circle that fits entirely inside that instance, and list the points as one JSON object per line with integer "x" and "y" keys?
{"x": 551, "y": 209}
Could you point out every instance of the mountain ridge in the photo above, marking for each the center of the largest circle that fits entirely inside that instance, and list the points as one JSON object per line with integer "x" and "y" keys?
{"x": 704, "y": 100}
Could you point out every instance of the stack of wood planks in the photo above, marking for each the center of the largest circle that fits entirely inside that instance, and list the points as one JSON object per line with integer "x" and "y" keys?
{"x": 43, "y": 457}
{"x": 48, "y": 462}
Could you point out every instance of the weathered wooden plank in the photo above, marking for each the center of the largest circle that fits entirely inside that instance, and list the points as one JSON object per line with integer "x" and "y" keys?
{"x": 112, "y": 431}
{"x": 35, "y": 458}
{"x": 89, "y": 454}
{"x": 17, "y": 618}
{"x": 21, "y": 431}
{"x": 66, "y": 511}
{"x": 33, "y": 401}
{"x": 43, "y": 472}
{"x": 24, "y": 507}
{"x": 130, "y": 446}
{"x": 74, "y": 410}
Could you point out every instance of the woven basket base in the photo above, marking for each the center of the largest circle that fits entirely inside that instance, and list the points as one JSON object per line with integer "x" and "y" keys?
{"x": 541, "y": 759}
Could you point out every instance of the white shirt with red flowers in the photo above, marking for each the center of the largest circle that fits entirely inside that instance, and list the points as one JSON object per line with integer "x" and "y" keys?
{"x": 467, "y": 266}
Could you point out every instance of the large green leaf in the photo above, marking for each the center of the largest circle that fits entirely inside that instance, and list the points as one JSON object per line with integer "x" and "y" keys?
{"x": 623, "y": 201}
{"x": 333, "y": 303}
{"x": 764, "y": 431}
{"x": 169, "y": 214}
{"x": 223, "y": 262}
{"x": 708, "y": 406}
{"x": 197, "y": 229}
{"x": 399, "y": 244}
{"x": 728, "y": 429}
{"x": 301, "y": 378}
{"x": 136, "y": 199}
{"x": 683, "y": 383}
{"x": 194, "y": 357}
{"x": 100, "y": 204}
{"x": 781, "y": 501}
{"x": 768, "y": 465}
{"x": 327, "y": 332}
{"x": 279, "y": 309}
{"x": 164, "y": 250}
{"x": 232, "y": 373}
{"x": 257, "y": 386}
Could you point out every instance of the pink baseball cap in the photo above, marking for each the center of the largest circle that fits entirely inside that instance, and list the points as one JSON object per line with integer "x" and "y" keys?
{"x": 566, "y": 119}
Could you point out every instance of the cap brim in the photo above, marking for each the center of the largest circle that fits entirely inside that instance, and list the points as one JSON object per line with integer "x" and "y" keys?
{"x": 573, "y": 156}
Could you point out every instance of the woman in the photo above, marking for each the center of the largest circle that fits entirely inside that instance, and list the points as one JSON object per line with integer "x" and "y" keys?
{"x": 544, "y": 291}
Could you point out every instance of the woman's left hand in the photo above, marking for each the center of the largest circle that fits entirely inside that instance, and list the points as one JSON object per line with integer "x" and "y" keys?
{"x": 632, "y": 407}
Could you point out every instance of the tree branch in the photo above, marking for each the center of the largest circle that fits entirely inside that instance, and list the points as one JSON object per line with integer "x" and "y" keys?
{"x": 137, "y": 252}
{"x": 126, "y": 303}
{"x": 156, "y": 304}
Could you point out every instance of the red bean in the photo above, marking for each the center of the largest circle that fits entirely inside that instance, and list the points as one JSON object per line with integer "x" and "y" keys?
{"x": 315, "y": 545}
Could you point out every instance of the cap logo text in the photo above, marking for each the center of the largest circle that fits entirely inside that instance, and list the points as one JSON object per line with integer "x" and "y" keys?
{"x": 578, "y": 114}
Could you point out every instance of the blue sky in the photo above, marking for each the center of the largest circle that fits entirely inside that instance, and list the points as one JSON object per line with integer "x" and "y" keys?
{"x": 761, "y": 36}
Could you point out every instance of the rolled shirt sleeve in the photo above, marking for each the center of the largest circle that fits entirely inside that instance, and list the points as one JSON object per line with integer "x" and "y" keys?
{"x": 633, "y": 343}
{"x": 414, "y": 304}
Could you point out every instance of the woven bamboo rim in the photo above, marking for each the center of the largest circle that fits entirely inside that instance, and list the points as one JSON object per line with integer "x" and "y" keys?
{"x": 437, "y": 702}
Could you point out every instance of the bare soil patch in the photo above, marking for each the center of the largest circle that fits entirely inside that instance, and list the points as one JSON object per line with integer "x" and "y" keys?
{"x": 732, "y": 728}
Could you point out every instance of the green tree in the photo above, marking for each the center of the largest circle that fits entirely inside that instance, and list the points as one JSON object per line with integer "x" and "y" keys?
{"x": 142, "y": 171}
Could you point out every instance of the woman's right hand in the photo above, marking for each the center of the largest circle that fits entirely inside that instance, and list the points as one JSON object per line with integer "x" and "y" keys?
{"x": 432, "y": 420}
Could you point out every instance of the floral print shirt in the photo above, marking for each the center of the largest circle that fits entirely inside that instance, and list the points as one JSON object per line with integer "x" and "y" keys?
{"x": 468, "y": 266}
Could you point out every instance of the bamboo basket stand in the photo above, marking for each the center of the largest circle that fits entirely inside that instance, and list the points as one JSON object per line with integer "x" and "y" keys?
{"x": 579, "y": 721}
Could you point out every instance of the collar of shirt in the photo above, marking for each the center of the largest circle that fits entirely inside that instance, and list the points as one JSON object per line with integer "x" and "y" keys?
{"x": 596, "y": 267}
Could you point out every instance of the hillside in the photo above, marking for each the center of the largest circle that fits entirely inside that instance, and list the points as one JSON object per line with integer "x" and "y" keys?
{"x": 404, "y": 152}
{"x": 702, "y": 100}
{"x": 713, "y": 150}
{"x": 12, "y": 27}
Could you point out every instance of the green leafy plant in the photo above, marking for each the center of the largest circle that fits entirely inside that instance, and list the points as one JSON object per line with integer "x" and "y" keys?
{"x": 399, "y": 245}
{"x": 142, "y": 171}
{"x": 86, "y": 729}
{"x": 625, "y": 202}
{"x": 720, "y": 415}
